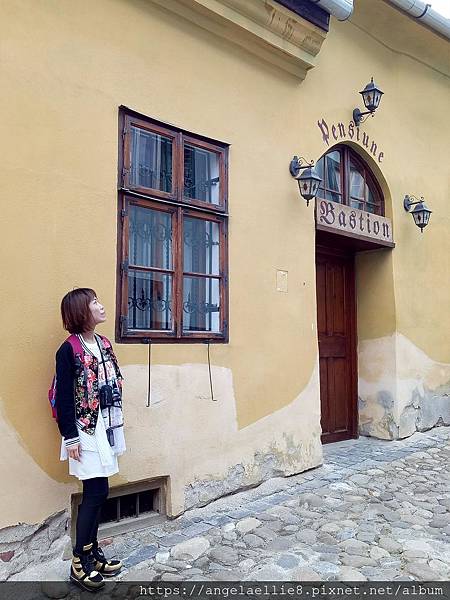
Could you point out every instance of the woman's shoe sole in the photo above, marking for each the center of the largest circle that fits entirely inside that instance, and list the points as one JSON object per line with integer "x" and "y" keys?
{"x": 110, "y": 574}
{"x": 86, "y": 587}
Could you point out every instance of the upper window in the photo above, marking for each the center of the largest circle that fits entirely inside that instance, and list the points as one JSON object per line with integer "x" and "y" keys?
{"x": 347, "y": 180}
{"x": 172, "y": 234}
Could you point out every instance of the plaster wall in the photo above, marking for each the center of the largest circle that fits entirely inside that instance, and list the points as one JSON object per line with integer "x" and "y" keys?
{"x": 219, "y": 457}
{"x": 402, "y": 294}
{"x": 66, "y": 67}
{"x": 401, "y": 389}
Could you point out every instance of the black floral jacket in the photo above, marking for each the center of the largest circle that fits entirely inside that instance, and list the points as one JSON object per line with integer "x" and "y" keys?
{"x": 77, "y": 389}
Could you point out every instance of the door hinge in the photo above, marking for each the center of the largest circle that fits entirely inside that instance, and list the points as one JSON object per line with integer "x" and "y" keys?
{"x": 123, "y": 213}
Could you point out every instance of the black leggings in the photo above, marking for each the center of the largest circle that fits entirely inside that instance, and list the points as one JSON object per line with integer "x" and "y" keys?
{"x": 95, "y": 492}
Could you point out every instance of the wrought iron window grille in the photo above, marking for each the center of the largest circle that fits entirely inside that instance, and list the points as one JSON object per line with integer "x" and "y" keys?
{"x": 145, "y": 303}
{"x": 201, "y": 308}
{"x": 145, "y": 231}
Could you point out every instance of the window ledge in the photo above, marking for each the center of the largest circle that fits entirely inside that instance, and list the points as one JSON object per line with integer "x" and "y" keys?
{"x": 264, "y": 28}
{"x": 130, "y": 524}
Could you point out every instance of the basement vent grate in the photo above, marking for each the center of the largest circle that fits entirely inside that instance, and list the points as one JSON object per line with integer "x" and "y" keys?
{"x": 128, "y": 506}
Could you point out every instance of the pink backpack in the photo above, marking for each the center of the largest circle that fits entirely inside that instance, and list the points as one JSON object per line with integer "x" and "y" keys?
{"x": 77, "y": 349}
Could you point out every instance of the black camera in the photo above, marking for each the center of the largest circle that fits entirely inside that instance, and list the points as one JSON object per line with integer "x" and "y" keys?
{"x": 109, "y": 396}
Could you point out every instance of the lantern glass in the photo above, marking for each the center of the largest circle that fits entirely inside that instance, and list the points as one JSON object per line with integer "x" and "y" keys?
{"x": 421, "y": 215}
{"x": 371, "y": 96}
{"x": 308, "y": 183}
{"x": 377, "y": 98}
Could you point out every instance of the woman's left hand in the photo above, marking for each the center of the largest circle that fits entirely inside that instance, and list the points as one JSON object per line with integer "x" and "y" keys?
{"x": 75, "y": 452}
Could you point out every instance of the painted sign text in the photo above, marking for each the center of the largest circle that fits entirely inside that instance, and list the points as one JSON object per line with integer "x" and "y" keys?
{"x": 339, "y": 132}
{"x": 341, "y": 218}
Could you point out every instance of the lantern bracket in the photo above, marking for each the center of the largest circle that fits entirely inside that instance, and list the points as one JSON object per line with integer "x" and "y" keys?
{"x": 296, "y": 165}
{"x": 358, "y": 116}
{"x": 408, "y": 202}
{"x": 305, "y": 175}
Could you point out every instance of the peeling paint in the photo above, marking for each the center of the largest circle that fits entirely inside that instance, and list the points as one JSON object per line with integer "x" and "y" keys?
{"x": 277, "y": 462}
{"x": 199, "y": 444}
{"x": 428, "y": 408}
{"x": 401, "y": 389}
{"x": 385, "y": 399}
{"x": 18, "y": 543}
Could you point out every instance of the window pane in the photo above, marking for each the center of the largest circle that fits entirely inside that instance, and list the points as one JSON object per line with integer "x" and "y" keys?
{"x": 333, "y": 175}
{"x": 151, "y": 160}
{"x": 333, "y": 197}
{"x": 373, "y": 202}
{"x": 149, "y": 301}
{"x": 150, "y": 239}
{"x": 319, "y": 170}
{"x": 356, "y": 181}
{"x": 201, "y": 174}
{"x": 201, "y": 304}
{"x": 355, "y": 203}
{"x": 201, "y": 246}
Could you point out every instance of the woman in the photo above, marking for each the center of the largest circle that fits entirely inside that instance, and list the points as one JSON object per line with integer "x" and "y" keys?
{"x": 89, "y": 412}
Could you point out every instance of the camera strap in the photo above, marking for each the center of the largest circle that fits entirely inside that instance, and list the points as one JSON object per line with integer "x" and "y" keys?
{"x": 103, "y": 361}
{"x": 106, "y": 383}
{"x": 106, "y": 376}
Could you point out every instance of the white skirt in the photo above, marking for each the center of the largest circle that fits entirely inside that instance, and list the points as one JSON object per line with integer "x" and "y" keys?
{"x": 90, "y": 466}
{"x": 98, "y": 458}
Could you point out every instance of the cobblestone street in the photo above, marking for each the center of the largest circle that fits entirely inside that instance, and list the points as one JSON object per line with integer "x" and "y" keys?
{"x": 375, "y": 510}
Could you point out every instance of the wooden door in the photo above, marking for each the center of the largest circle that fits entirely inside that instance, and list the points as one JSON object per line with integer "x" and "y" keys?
{"x": 336, "y": 318}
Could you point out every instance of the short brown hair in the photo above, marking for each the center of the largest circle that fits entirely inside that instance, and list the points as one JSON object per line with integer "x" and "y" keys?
{"x": 75, "y": 312}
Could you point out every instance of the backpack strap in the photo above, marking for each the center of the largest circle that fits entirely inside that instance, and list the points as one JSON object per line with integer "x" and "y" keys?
{"x": 74, "y": 341}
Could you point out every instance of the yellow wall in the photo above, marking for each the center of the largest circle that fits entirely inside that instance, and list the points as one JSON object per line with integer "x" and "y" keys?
{"x": 66, "y": 68}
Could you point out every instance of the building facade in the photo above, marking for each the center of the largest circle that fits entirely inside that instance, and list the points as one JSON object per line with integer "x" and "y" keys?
{"x": 146, "y": 147}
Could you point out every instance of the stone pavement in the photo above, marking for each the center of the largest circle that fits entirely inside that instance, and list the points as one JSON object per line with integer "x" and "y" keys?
{"x": 375, "y": 510}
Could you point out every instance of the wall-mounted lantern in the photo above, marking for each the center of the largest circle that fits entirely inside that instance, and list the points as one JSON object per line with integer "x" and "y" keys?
{"x": 371, "y": 97}
{"x": 421, "y": 213}
{"x": 307, "y": 177}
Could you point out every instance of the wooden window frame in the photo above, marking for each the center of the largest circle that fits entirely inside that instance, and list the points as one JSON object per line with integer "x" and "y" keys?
{"x": 346, "y": 153}
{"x": 179, "y": 206}
{"x": 329, "y": 190}
{"x": 204, "y": 145}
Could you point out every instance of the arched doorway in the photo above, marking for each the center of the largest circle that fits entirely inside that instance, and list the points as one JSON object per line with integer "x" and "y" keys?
{"x": 349, "y": 194}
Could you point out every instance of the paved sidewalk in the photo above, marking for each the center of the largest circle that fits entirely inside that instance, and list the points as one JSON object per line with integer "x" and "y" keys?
{"x": 375, "y": 510}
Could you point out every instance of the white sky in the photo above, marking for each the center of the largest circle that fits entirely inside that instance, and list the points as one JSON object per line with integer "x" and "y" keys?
{"x": 441, "y": 6}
